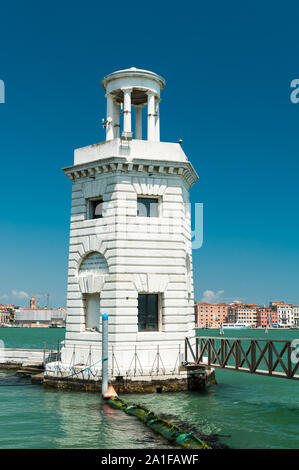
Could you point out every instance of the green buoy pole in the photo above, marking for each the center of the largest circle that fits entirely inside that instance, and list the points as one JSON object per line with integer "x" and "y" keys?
{"x": 104, "y": 353}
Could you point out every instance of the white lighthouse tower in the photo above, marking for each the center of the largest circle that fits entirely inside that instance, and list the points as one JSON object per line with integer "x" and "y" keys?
{"x": 130, "y": 250}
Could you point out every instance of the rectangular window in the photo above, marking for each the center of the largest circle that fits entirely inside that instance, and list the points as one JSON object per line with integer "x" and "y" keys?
{"x": 147, "y": 207}
{"x": 148, "y": 312}
{"x": 95, "y": 208}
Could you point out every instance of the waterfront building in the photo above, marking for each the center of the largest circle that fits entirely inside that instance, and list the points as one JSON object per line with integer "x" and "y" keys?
{"x": 6, "y": 307}
{"x": 4, "y": 317}
{"x": 210, "y": 315}
{"x": 284, "y": 311}
{"x": 267, "y": 317}
{"x": 295, "y": 309}
{"x": 278, "y": 313}
{"x": 130, "y": 237}
{"x": 39, "y": 316}
{"x": 6, "y": 312}
{"x": 244, "y": 313}
{"x": 274, "y": 303}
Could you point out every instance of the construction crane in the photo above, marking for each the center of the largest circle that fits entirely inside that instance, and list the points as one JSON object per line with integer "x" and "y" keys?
{"x": 38, "y": 299}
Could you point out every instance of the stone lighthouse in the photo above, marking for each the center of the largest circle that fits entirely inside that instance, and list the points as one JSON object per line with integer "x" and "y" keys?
{"x": 130, "y": 250}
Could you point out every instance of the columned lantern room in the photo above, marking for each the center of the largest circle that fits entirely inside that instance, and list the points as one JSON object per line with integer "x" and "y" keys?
{"x": 132, "y": 88}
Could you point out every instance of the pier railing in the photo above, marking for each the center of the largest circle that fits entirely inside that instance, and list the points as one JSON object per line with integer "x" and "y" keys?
{"x": 275, "y": 358}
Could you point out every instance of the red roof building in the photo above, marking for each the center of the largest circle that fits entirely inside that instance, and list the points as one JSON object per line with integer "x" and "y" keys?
{"x": 267, "y": 317}
{"x": 207, "y": 315}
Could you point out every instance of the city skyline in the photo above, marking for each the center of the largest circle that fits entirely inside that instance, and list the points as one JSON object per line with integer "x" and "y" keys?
{"x": 238, "y": 125}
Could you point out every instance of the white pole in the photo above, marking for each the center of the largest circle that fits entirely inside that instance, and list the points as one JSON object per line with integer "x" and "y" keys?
{"x": 104, "y": 353}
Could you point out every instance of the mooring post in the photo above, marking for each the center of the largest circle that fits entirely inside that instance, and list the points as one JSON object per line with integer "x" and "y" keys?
{"x": 104, "y": 353}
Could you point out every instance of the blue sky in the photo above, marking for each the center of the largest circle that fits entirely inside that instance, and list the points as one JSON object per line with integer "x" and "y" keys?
{"x": 228, "y": 67}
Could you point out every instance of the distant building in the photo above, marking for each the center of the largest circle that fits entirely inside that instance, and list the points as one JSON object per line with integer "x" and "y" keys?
{"x": 5, "y": 312}
{"x": 243, "y": 313}
{"x": 267, "y": 317}
{"x": 277, "y": 314}
{"x": 274, "y": 303}
{"x": 40, "y": 316}
{"x": 208, "y": 315}
{"x": 4, "y": 317}
{"x": 284, "y": 311}
{"x": 295, "y": 309}
{"x": 285, "y": 314}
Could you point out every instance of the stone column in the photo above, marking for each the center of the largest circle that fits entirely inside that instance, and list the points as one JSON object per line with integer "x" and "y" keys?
{"x": 138, "y": 122}
{"x": 109, "y": 118}
{"x": 151, "y": 132}
{"x": 116, "y": 124}
{"x": 127, "y": 109}
{"x": 157, "y": 121}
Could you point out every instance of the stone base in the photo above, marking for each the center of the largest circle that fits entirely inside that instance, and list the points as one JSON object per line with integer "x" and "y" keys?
{"x": 193, "y": 380}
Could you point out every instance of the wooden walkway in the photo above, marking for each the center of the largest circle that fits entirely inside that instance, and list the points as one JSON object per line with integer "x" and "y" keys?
{"x": 275, "y": 358}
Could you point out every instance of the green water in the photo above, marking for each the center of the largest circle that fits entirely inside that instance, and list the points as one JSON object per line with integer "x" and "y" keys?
{"x": 247, "y": 411}
{"x": 31, "y": 338}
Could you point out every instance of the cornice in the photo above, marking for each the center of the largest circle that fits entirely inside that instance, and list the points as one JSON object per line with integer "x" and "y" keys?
{"x": 92, "y": 170}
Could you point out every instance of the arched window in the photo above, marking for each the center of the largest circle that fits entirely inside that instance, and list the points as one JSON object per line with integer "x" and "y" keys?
{"x": 92, "y": 272}
{"x": 93, "y": 263}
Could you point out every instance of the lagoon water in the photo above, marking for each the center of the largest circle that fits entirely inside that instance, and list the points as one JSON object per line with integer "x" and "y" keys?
{"x": 245, "y": 411}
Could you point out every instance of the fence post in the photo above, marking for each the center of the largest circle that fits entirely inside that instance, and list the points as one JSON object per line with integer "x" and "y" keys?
{"x": 289, "y": 360}
{"x": 270, "y": 357}
{"x": 222, "y": 352}
{"x": 225, "y": 349}
{"x": 253, "y": 356}
{"x": 209, "y": 351}
{"x": 212, "y": 343}
{"x": 237, "y": 353}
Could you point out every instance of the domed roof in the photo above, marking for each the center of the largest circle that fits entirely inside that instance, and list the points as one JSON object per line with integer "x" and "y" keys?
{"x": 134, "y": 72}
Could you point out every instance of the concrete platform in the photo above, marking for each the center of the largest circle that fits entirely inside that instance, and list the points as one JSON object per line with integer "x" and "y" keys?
{"x": 16, "y": 358}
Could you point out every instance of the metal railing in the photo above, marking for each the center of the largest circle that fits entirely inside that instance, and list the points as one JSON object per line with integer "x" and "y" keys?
{"x": 275, "y": 358}
{"x": 51, "y": 352}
